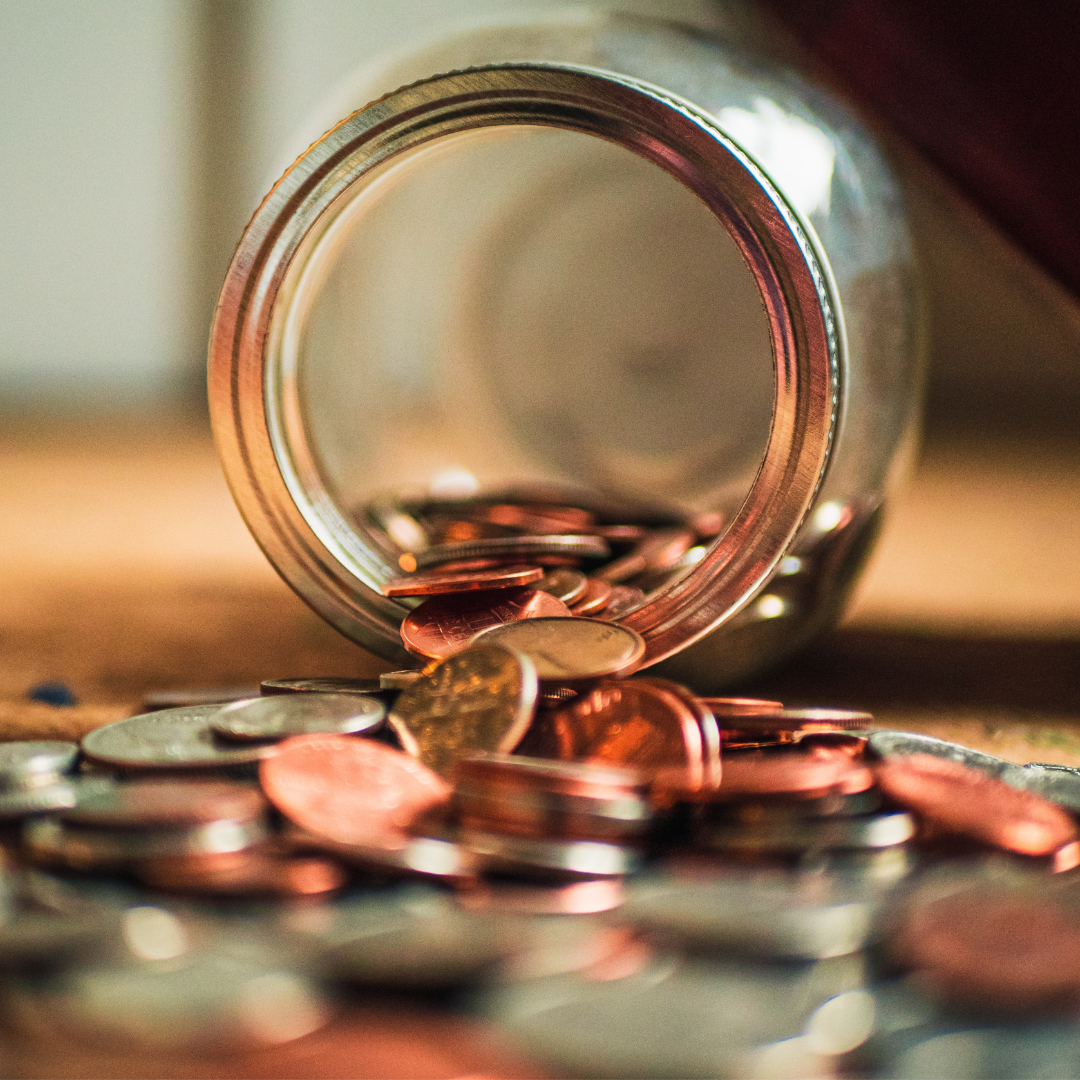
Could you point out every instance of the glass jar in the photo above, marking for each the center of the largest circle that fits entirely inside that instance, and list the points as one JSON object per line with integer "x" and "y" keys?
{"x": 633, "y": 259}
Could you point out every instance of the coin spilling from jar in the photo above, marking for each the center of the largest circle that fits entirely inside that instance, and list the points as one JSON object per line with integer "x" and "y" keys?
{"x": 598, "y": 857}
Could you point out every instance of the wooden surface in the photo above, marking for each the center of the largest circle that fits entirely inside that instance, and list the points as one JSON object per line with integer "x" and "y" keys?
{"x": 126, "y": 568}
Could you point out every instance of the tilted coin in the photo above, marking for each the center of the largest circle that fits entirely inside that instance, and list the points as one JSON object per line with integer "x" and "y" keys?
{"x": 571, "y": 651}
{"x": 657, "y": 550}
{"x": 956, "y": 800}
{"x": 623, "y": 600}
{"x": 156, "y": 804}
{"x": 897, "y": 744}
{"x": 279, "y": 716}
{"x": 710, "y": 729}
{"x": 569, "y": 586}
{"x": 169, "y": 738}
{"x": 436, "y": 583}
{"x": 198, "y": 695}
{"x": 549, "y": 859}
{"x": 482, "y": 699}
{"x": 444, "y": 625}
{"x": 624, "y": 723}
{"x": 594, "y": 599}
{"x": 321, "y": 686}
{"x": 400, "y": 680}
{"x": 523, "y": 547}
{"x": 884, "y": 830}
{"x": 1058, "y": 783}
{"x": 351, "y": 790}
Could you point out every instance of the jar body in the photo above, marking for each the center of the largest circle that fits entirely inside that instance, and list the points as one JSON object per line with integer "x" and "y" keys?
{"x": 519, "y": 303}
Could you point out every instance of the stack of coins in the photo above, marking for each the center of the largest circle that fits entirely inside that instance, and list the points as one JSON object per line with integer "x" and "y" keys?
{"x": 34, "y": 777}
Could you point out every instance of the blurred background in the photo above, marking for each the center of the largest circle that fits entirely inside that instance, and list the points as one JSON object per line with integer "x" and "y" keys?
{"x": 136, "y": 138}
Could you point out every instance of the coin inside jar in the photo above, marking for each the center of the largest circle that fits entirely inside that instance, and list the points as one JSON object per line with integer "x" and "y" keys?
{"x": 482, "y": 699}
{"x": 593, "y": 599}
{"x": 444, "y": 625}
{"x": 279, "y": 716}
{"x": 569, "y": 586}
{"x": 438, "y": 583}
{"x": 571, "y": 651}
{"x": 350, "y": 790}
{"x": 525, "y": 548}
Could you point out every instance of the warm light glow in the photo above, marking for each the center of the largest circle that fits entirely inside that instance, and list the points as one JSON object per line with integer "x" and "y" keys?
{"x": 152, "y": 933}
{"x": 771, "y": 606}
{"x": 454, "y": 483}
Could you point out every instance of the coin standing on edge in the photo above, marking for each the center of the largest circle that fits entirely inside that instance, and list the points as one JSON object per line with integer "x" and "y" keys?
{"x": 444, "y": 625}
{"x": 571, "y": 651}
{"x": 482, "y": 699}
{"x": 279, "y": 716}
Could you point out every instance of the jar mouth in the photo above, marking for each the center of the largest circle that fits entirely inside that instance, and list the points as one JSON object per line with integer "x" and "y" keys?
{"x": 256, "y": 402}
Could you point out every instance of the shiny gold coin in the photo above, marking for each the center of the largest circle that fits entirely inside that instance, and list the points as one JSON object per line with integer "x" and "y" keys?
{"x": 481, "y": 699}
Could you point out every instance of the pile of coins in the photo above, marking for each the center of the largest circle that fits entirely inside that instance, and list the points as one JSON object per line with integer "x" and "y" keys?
{"x": 616, "y": 876}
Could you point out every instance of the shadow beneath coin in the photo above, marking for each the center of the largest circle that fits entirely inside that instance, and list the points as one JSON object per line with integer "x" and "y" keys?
{"x": 868, "y": 669}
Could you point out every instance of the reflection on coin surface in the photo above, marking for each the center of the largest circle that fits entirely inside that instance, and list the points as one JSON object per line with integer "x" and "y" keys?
{"x": 523, "y": 547}
{"x": 1058, "y": 783}
{"x": 790, "y": 775}
{"x": 627, "y": 723}
{"x": 350, "y": 790}
{"x": 399, "y": 680}
{"x": 169, "y": 738}
{"x": 557, "y": 859}
{"x": 444, "y": 625}
{"x": 964, "y": 802}
{"x": 480, "y": 700}
{"x": 434, "y": 583}
{"x": 571, "y": 650}
{"x": 623, "y": 599}
{"x": 569, "y": 586}
{"x": 594, "y": 599}
{"x": 320, "y": 686}
{"x": 248, "y": 873}
{"x": 150, "y": 804}
{"x": 898, "y": 744}
{"x": 281, "y": 715}
{"x": 740, "y": 706}
{"x": 23, "y": 762}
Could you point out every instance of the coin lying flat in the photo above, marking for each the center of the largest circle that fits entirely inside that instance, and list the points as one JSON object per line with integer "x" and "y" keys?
{"x": 524, "y": 547}
{"x": 869, "y": 831}
{"x": 569, "y": 651}
{"x": 479, "y": 700}
{"x": 155, "y": 804}
{"x": 320, "y": 686}
{"x": 569, "y": 586}
{"x": 622, "y": 600}
{"x": 198, "y": 695}
{"x": 282, "y": 715}
{"x": 657, "y": 550}
{"x": 247, "y": 873}
{"x": 169, "y": 738}
{"x": 23, "y": 762}
{"x": 444, "y": 625}
{"x": 741, "y": 706}
{"x": 351, "y": 790}
{"x": 568, "y": 860}
{"x": 434, "y": 583}
{"x": 594, "y": 599}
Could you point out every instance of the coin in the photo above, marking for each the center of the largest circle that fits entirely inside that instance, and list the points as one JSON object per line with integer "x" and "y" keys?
{"x": 279, "y": 716}
{"x": 157, "y": 804}
{"x": 169, "y": 738}
{"x": 350, "y": 790}
{"x": 740, "y": 706}
{"x": 321, "y": 686}
{"x": 37, "y": 800}
{"x": 482, "y": 699}
{"x": 439, "y": 582}
{"x": 623, "y": 600}
{"x": 710, "y": 730}
{"x": 569, "y": 586}
{"x": 899, "y": 744}
{"x": 523, "y": 547}
{"x": 594, "y": 599}
{"x": 568, "y": 652}
{"x": 790, "y": 775}
{"x": 513, "y": 898}
{"x": 25, "y": 764}
{"x": 1058, "y": 783}
{"x": 961, "y": 801}
{"x": 443, "y": 625}
{"x": 178, "y": 699}
{"x": 887, "y": 829}
{"x": 625, "y": 723}
{"x": 249, "y": 873}
{"x": 657, "y": 550}
{"x": 549, "y": 859}
{"x": 400, "y": 680}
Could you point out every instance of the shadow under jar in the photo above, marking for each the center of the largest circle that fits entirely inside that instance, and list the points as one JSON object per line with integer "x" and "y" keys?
{"x": 630, "y": 262}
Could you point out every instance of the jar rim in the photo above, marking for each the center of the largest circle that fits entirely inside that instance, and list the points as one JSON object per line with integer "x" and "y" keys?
{"x": 253, "y": 392}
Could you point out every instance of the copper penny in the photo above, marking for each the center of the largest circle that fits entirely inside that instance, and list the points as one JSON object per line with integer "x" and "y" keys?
{"x": 157, "y": 804}
{"x": 740, "y": 706}
{"x": 710, "y": 729}
{"x": 594, "y": 599}
{"x": 998, "y": 949}
{"x": 628, "y": 723}
{"x": 790, "y": 775}
{"x": 623, "y": 599}
{"x": 568, "y": 585}
{"x": 440, "y": 582}
{"x": 657, "y": 550}
{"x": 536, "y": 520}
{"x": 481, "y": 699}
{"x": 515, "y": 773}
{"x": 963, "y": 802}
{"x": 351, "y": 790}
{"x": 253, "y": 873}
{"x": 444, "y": 625}
{"x": 523, "y": 548}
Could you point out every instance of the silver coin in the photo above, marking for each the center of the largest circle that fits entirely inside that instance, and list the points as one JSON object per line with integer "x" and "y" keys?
{"x": 562, "y": 859}
{"x": 783, "y": 811}
{"x": 592, "y": 547}
{"x": 55, "y": 843}
{"x": 25, "y": 764}
{"x": 566, "y": 585}
{"x": 1058, "y": 783}
{"x": 899, "y": 743}
{"x": 170, "y": 738}
{"x": 826, "y": 834}
{"x": 320, "y": 686}
{"x": 280, "y": 716}
{"x": 179, "y": 699}
{"x": 623, "y": 600}
{"x": 38, "y": 800}
{"x": 788, "y": 915}
{"x": 399, "y": 680}
{"x": 569, "y": 651}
